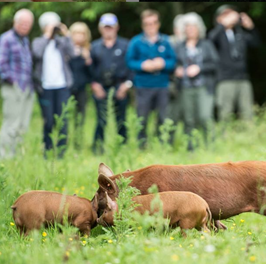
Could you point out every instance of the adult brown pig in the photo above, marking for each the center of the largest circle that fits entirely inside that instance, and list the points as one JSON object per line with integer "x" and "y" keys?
{"x": 184, "y": 209}
{"x": 35, "y": 209}
{"x": 229, "y": 188}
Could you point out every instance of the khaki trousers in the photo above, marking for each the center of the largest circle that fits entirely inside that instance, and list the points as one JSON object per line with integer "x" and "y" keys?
{"x": 235, "y": 93}
{"x": 17, "y": 109}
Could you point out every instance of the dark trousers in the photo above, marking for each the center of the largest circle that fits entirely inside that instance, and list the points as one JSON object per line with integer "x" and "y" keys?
{"x": 51, "y": 103}
{"x": 81, "y": 100}
{"x": 120, "y": 113}
{"x": 148, "y": 100}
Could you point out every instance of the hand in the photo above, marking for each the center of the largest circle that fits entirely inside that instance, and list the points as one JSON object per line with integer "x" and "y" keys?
{"x": 246, "y": 21}
{"x": 147, "y": 66}
{"x": 193, "y": 70}
{"x": 48, "y": 32}
{"x": 98, "y": 90}
{"x": 229, "y": 20}
{"x": 179, "y": 72}
{"x": 121, "y": 91}
{"x": 64, "y": 30}
{"x": 158, "y": 63}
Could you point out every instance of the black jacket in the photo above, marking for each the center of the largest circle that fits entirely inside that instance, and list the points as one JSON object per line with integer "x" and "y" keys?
{"x": 81, "y": 73}
{"x": 210, "y": 59}
{"x": 108, "y": 64}
{"x": 233, "y": 57}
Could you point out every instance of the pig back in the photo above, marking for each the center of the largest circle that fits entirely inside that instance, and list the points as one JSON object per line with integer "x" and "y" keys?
{"x": 228, "y": 188}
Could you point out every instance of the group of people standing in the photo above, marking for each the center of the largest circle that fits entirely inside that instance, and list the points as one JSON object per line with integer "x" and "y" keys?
{"x": 63, "y": 61}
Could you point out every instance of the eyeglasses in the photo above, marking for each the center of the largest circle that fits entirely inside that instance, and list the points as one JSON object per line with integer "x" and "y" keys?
{"x": 145, "y": 24}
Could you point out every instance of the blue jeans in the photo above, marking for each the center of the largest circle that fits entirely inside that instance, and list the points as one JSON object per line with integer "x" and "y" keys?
{"x": 120, "y": 113}
{"x": 51, "y": 103}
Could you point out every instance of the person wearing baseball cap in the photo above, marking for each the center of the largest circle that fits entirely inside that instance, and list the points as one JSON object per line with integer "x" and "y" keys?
{"x": 232, "y": 35}
{"x": 109, "y": 70}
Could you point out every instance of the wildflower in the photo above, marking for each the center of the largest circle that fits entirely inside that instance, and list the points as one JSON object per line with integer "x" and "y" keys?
{"x": 31, "y": 239}
{"x": 0, "y": 253}
{"x": 67, "y": 253}
{"x": 172, "y": 238}
{"x": 242, "y": 248}
{"x": 234, "y": 224}
{"x": 210, "y": 248}
{"x": 43, "y": 240}
{"x": 175, "y": 257}
{"x": 242, "y": 221}
{"x": 56, "y": 188}
{"x": 252, "y": 258}
{"x": 191, "y": 245}
{"x": 12, "y": 224}
{"x": 180, "y": 245}
{"x": 84, "y": 242}
{"x": 70, "y": 239}
{"x": 44, "y": 234}
{"x": 86, "y": 236}
{"x": 110, "y": 241}
{"x": 202, "y": 237}
{"x": 81, "y": 193}
{"x": 249, "y": 233}
{"x": 63, "y": 188}
{"x": 82, "y": 188}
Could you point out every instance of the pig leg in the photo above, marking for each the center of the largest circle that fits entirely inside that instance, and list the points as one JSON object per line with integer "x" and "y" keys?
{"x": 205, "y": 229}
{"x": 220, "y": 225}
{"x": 84, "y": 226}
{"x": 186, "y": 223}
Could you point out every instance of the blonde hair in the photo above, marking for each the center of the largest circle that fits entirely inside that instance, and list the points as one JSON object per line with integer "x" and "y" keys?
{"x": 82, "y": 27}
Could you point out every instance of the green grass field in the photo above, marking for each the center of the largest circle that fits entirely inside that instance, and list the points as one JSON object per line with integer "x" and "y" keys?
{"x": 243, "y": 242}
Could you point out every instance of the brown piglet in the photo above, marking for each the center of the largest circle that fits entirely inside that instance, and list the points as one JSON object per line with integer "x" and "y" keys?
{"x": 184, "y": 209}
{"x": 35, "y": 209}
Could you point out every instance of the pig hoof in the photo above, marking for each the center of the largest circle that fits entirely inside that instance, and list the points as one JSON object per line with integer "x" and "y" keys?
{"x": 220, "y": 225}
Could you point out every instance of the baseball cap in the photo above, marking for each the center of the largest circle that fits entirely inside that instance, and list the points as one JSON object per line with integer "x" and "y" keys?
{"x": 108, "y": 19}
{"x": 223, "y": 8}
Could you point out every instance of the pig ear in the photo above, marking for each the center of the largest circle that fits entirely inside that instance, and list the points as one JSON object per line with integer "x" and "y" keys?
{"x": 107, "y": 184}
{"x": 110, "y": 203}
{"x": 94, "y": 202}
{"x": 105, "y": 170}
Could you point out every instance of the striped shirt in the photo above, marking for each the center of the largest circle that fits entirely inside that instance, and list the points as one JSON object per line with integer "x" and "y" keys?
{"x": 15, "y": 59}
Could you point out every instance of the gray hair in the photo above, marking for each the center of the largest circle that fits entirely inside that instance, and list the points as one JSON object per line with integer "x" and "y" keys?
{"x": 195, "y": 19}
{"x": 49, "y": 18}
{"x": 20, "y": 13}
{"x": 179, "y": 25}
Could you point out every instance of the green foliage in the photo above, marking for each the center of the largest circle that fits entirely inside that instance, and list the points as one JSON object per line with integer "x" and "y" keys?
{"x": 123, "y": 218}
{"x": 136, "y": 238}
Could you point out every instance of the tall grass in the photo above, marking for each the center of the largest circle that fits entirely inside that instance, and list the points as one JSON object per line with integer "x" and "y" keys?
{"x": 243, "y": 242}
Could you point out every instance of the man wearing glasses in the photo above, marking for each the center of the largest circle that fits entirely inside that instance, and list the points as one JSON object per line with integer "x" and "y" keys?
{"x": 152, "y": 58}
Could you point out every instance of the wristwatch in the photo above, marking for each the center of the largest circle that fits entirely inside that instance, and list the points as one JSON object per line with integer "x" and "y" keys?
{"x": 129, "y": 84}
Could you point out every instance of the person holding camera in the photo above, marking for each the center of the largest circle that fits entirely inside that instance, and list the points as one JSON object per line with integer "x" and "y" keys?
{"x": 233, "y": 34}
{"x": 52, "y": 76}
{"x": 109, "y": 71}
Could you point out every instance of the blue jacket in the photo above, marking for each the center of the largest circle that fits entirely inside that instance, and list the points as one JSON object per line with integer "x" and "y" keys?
{"x": 139, "y": 50}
